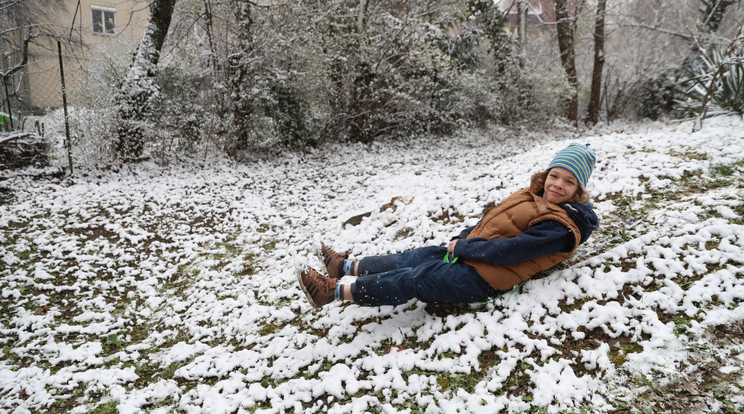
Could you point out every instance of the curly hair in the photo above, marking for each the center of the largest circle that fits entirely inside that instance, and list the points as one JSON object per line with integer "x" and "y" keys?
{"x": 537, "y": 186}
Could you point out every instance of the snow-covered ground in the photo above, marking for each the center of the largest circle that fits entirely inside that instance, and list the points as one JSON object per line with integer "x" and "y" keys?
{"x": 174, "y": 288}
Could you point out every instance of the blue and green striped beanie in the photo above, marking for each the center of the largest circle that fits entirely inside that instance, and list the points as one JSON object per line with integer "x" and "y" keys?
{"x": 577, "y": 158}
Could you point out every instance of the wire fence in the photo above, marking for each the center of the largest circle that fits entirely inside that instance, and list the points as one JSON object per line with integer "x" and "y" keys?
{"x": 28, "y": 94}
{"x": 33, "y": 91}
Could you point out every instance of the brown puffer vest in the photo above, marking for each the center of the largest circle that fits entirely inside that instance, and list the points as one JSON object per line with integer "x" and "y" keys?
{"x": 512, "y": 217}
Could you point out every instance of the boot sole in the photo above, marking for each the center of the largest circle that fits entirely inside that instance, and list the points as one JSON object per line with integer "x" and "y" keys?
{"x": 302, "y": 286}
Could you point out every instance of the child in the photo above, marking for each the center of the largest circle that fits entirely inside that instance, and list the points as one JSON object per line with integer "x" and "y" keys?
{"x": 532, "y": 230}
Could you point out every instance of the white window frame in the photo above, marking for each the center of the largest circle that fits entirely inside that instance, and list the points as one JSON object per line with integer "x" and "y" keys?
{"x": 106, "y": 31}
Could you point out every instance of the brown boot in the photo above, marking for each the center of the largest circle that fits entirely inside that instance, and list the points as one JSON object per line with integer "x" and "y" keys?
{"x": 333, "y": 261}
{"x": 318, "y": 288}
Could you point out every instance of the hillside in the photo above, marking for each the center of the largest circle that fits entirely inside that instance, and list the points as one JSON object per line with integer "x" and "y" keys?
{"x": 173, "y": 288}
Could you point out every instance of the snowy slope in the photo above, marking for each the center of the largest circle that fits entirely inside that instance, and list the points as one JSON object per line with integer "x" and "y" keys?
{"x": 173, "y": 288}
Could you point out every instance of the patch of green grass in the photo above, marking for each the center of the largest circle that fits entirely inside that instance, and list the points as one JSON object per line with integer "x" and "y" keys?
{"x": 147, "y": 372}
{"x": 724, "y": 183}
{"x": 269, "y": 244}
{"x": 139, "y": 332}
{"x": 248, "y": 265}
{"x": 403, "y": 233}
{"x": 165, "y": 402}
{"x": 518, "y": 381}
{"x": 268, "y": 329}
{"x": 681, "y": 325}
{"x": 722, "y": 170}
{"x": 229, "y": 247}
{"x": 690, "y": 155}
{"x": 26, "y": 256}
{"x": 684, "y": 282}
{"x": 105, "y": 408}
{"x": 577, "y": 304}
{"x": 72, "y": 399}
{"x": 267, "y": 382}
{"x": 692, "y": 182}
{"x": 112, "y": 344}
{"x": 450, "y": 382}
{"x": 169, "y": 371}
{"x": 620, "y": 354}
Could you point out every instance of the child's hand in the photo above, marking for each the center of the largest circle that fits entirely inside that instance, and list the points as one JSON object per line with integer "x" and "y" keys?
{"x": 451, "y": 247}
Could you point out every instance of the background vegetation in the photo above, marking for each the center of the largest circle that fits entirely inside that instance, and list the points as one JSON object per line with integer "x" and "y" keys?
{"x": 241, "y": 77}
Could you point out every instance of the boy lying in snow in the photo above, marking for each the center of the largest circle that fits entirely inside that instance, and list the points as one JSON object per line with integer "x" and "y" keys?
{"x": 532, "y": 230}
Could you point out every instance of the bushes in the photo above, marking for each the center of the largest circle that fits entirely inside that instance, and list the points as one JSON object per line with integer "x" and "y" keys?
{"x": 717, "y": 81}
{"x": 312, "y": 72}
{"x": 656, "y": 97}
{"x": 303, "y": 73}
{"x": 407, "y": 86}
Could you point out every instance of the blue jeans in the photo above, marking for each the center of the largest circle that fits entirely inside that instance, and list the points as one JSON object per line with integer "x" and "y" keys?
{"x": 421, "y": 274}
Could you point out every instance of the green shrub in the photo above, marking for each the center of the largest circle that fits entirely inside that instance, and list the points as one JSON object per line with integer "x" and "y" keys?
{"x": 718, "y": 80}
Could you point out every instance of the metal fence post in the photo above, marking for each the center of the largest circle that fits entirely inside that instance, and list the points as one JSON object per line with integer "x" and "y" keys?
{"x": 64, "y": 104}
{"x": 7, "y": 99}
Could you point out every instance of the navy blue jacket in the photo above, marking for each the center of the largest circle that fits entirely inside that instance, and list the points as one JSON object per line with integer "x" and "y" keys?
{"x": 544, "y": 238}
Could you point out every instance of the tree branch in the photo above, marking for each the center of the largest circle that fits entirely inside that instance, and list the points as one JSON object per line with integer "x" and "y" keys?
{"x": 15, "y": 29}
{"x": 658, "y": 29}
{"x": 253, "y": 3}
{"x": 23, "y": 61}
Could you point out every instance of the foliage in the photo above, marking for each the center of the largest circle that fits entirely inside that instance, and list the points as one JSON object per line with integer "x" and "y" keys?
{"x": 136, "y": 101}
{"x": 299, "y": 74}
{"x": 718, "y": 81}
{"x": 654, "y": 97}
{"x": 355, "y": 78}
{"x": 409, "y": 86}
{"x": 181, "y": 112}
{"x": 493, "y": 23}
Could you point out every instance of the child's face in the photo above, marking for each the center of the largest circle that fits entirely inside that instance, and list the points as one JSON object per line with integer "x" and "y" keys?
{"x": 560, "y": 185}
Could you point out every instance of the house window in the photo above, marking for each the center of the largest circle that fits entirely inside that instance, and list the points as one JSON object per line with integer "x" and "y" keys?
{"x": 104, "y": 20}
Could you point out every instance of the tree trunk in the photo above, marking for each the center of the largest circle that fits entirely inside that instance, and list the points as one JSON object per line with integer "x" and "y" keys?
{"x": 595, "y": 102}
{"x": 714, "y": 11}
{"x": 241, "y": 81}
{"x": 522, "y": 17}
{"x": 565, "y": 28}
{"x": 361, "y": 18}
{"x": 210, "y": 35}
{"x": 139, "y": 88}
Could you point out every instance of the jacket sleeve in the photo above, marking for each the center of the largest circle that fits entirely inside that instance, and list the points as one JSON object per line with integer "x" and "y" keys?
{"x": 544, "y": 238}
{"x": 464, "y": 234}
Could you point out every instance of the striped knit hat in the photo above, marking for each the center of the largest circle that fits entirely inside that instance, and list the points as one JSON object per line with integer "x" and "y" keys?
{"x": 577, "y": 158}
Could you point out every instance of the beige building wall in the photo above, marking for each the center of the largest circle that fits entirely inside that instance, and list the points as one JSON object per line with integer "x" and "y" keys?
{"x": 94, "y": 26}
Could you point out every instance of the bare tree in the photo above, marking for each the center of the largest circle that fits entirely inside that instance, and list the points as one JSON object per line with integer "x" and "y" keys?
{"x": 566, "y": 28}
{"x": 599, "y": 33}
{"x": 16, "y": 66}
{"x": 22, "y": 21}
{"x": 24, "y": 24}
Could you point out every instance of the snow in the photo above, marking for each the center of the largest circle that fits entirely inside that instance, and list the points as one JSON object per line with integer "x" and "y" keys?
{"x": 173, "y": 288}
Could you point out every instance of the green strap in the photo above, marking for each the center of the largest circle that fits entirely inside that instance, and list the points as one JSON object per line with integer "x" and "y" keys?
{"x": 448, "y": 260}
{"x": 503, "y": 292}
